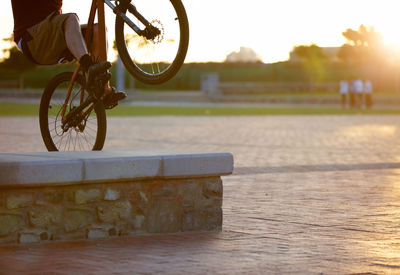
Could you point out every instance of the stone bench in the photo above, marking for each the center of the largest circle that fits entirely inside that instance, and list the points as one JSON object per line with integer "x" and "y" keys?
{"x": 87, "y": 195}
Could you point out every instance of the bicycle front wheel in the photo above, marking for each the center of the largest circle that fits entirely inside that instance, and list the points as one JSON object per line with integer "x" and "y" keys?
{"x": 157, "y": 58}
{"x": 88, "y": 130}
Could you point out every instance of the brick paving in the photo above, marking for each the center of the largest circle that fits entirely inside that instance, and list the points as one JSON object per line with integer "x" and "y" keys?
{"x": 310, "y": 194}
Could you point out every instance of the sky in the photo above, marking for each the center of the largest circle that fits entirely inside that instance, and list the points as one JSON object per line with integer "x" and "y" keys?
{"x": 270, "y": 28}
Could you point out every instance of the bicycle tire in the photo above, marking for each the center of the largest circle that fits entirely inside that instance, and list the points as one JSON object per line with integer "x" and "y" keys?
{"x": 52, "y": 99}
{"x": 178, "y": 60}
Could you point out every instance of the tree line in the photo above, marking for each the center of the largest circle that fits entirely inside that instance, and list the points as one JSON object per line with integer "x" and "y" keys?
{"x": 361, "y": 55}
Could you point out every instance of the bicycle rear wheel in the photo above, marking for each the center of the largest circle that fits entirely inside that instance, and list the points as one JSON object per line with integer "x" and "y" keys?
{"x": 88, "y": 134}
{"x": 155, "y": 60}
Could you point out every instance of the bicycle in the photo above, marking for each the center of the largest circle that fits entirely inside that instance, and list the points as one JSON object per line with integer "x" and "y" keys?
{"x": 152, "y": 46}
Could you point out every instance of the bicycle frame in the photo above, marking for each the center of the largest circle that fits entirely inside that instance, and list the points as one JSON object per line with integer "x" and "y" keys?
{"x": 98, "y": 5}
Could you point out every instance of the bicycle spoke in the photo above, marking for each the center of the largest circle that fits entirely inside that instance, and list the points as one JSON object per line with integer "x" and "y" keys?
{"x": 76, "y": 138}
{"x": 84, "y": 136}
{"x": 81, "y": 146}
{"x": 87, "y": 133}
{"x": 90, "y": 128}
{"x": 61, "y": 142}
{"x": 68, "y": 139}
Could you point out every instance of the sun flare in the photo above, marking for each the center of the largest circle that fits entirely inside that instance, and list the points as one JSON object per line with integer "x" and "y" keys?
{"x": 271, "y": 29}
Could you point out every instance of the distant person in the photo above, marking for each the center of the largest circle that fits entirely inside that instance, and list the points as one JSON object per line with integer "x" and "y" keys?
{"x": 368, "y": 89}
{"x": 359, "y": 91}
{"x": 344, "y": 91}
{"x": 352, "y": 94}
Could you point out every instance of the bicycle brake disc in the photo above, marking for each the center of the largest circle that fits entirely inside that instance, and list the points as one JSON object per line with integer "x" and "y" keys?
{"x": 155, "y": 32}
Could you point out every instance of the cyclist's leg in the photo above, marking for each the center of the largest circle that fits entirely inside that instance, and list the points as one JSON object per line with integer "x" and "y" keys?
{"x": 73, "y": 37}
{"x": 45, "y": 42}
{"x": 77, "y": 46}
{"x": 112, "y": 95}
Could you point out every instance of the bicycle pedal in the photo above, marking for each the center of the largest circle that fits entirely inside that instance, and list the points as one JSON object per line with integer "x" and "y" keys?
{"x": 110, "y": 105}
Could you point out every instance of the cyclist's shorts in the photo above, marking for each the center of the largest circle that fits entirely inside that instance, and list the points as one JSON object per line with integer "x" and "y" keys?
{"x": 45, "y": 43}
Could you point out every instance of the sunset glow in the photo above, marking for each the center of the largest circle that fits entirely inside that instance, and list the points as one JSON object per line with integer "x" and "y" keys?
{"x": 271, "y": 28}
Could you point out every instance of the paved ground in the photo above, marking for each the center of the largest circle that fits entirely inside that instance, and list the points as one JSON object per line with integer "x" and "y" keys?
{"x": 310, "y": 194}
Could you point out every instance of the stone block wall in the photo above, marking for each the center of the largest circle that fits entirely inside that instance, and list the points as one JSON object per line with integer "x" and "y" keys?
{"x": 100, "y": 210}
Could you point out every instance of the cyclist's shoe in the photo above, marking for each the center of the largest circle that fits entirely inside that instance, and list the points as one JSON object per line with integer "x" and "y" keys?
{"x": 96, "y": 70}
{"x": 111, "y": 99}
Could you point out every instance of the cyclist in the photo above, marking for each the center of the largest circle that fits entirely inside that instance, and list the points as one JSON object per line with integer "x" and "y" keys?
{"x": 47, "y": 37}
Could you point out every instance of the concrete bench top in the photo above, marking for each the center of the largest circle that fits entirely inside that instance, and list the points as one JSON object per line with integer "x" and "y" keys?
{"x": 76, "y": 167}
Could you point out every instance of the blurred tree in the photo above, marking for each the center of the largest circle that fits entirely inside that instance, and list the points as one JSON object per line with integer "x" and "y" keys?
{"x": 16, "y": 61}
{"x": 347, "y": 53}
{"x": 244, "y": 55}
{"x": 312, "y": 58}
{"x": 363, "y": 47}
{"x": 312, "y": 52}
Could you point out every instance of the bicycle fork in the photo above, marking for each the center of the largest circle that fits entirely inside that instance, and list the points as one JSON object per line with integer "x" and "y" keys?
{"x": 76, "y": 115}
{"x": 150, "y": 32}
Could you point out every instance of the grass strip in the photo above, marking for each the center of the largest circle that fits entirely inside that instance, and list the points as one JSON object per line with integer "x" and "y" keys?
{"x": 23, "y": 109}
